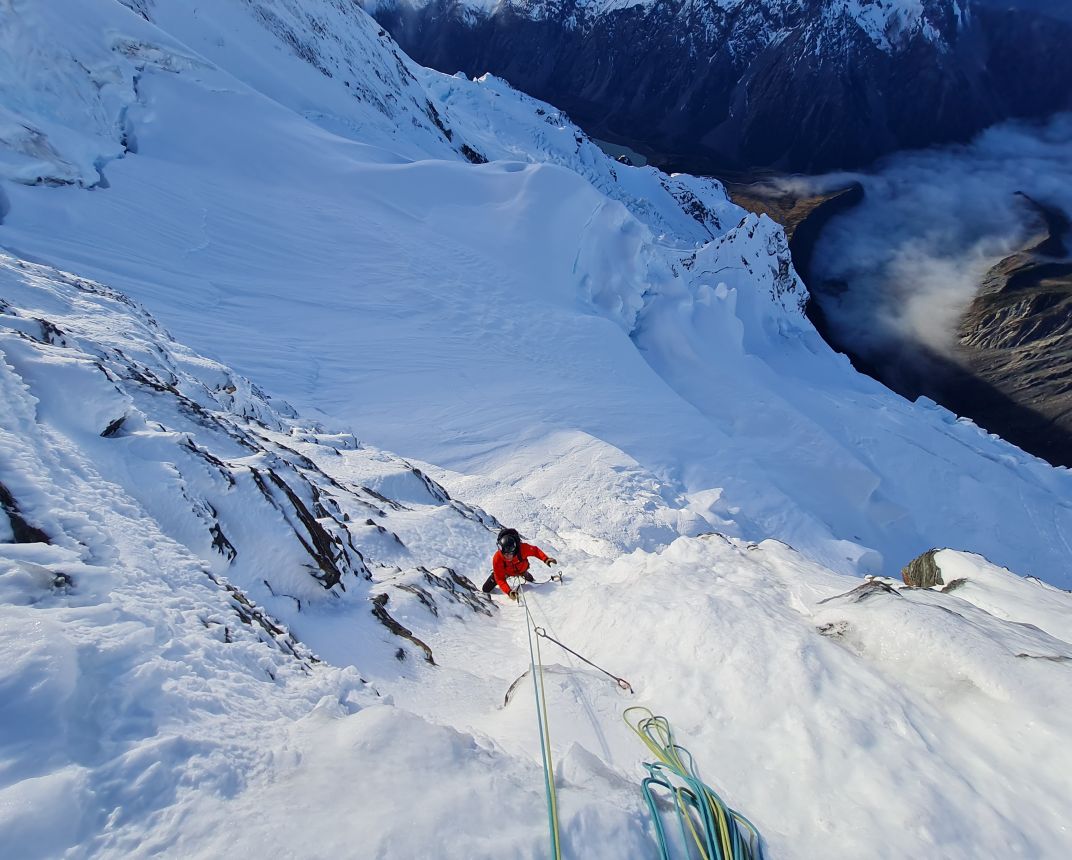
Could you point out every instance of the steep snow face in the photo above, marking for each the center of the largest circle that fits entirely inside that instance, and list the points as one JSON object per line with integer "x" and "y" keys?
{"x": 326, "y": 61}
{"x": 219, "y": 615}
{"x": 186, "y": 554}
{"x": 62, "y": 117}
{"x": 635, "y": 334}
{"x": 175, "y": 653}
{"x": 66, "y": 101}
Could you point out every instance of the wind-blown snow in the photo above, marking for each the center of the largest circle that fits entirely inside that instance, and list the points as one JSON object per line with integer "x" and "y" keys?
{"x": 229, "y": 631}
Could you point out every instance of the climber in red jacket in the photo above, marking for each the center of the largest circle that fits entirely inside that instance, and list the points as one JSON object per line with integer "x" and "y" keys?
{"x": 510, "y": 566}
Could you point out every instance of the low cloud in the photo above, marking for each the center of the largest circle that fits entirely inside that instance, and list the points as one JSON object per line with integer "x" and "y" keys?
{"x": 911, "y": 256}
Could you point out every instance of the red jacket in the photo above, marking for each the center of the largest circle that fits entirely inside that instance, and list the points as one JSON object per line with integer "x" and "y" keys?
{"x": 516, "y": 566}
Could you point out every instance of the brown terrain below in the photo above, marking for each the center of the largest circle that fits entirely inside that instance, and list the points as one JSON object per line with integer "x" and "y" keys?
{"x": 1017, "y": 335}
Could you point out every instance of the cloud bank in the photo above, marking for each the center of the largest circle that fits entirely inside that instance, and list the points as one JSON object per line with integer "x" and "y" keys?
{"x": 932, "y": 223}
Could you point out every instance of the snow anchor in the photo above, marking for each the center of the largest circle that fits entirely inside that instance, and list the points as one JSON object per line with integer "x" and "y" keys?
{"x": 545, "y": 732}
{"x": 718, "y": 832}
{"x": 621, "y": 682}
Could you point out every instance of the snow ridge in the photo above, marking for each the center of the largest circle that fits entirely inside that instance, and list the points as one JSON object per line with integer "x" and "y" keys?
{"x": 230, "y": 627}
{"x": 204, "y": 703}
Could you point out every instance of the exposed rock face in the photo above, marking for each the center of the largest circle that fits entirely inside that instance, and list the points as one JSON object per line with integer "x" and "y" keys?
{"x": 803, "y": 86}
{"x": 803, "y": 214}
{"x": 21, "y": 531}
{"x": 923, "y": 571}
{"x": 268, "y": 507}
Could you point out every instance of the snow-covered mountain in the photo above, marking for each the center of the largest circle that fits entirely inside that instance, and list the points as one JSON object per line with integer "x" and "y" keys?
{"x": 798, "y": 85}
{"x": 233, "y": 625}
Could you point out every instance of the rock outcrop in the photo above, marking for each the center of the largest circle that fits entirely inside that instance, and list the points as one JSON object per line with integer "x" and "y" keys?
{"x": 923, "y": 571}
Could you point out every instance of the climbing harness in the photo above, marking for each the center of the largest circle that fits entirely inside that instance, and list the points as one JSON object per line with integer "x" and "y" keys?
{"x": 718, "y": 836}
{"x": 621, "y": 682}
{"x": 545, "y": 732}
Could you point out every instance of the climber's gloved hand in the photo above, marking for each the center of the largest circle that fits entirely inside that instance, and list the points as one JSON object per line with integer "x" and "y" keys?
{"x": 551, "y": 561}
{"x": 512, "y": 595}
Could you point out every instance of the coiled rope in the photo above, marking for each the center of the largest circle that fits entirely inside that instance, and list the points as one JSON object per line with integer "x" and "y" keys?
{"x": 545, "y": 732}
{"x": 718, "y": 832}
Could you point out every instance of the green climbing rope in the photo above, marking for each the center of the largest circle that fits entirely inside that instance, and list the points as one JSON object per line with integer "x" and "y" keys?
{"x": 716, "y": 830}
{"x": 545, "y": 732}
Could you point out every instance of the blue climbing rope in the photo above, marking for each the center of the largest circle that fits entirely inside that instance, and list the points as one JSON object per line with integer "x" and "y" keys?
{"x": 717, "y": 831}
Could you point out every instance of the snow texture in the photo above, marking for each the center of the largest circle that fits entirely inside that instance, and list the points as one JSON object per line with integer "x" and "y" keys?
{"x": 235, "y": 625}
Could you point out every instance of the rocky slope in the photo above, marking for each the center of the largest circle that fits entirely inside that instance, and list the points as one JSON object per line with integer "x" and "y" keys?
{"x": 803, "y": 86}
{"x": 233, "y": 630}
{"x": 1017, "y": 336}
{"x": 1010, "y": 366}
{"x": 277, "y": 516}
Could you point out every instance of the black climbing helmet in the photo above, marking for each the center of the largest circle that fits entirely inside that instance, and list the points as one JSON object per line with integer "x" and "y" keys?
{"x": 509, "y": 541}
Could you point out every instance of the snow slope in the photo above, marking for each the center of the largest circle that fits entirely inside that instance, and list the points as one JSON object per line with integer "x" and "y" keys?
{"x": 147, "y": 696}
{"x": 618, "y": 310}
{"x": 879, "y": 21}
{"x": 145, "y": 693}
{"x": 226, "y": 613}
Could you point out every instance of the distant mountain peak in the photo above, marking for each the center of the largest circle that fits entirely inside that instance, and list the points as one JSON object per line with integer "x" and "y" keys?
{"x": 794, "y": 85}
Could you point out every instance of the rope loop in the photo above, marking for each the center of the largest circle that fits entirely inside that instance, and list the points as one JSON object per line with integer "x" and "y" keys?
{"x": 621, "y": 682}
{"x": 717, "y": 831}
